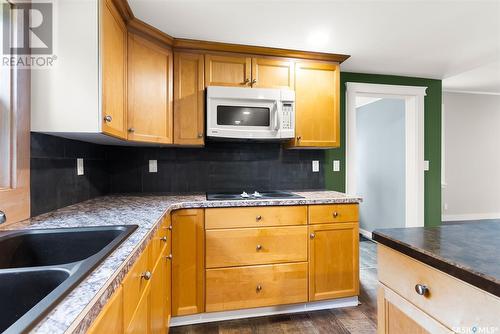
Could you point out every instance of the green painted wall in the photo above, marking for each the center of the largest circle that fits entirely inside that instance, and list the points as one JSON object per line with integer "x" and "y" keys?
{"x": 336, "y": 180}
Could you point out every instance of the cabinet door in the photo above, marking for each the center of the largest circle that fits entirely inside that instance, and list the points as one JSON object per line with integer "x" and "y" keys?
{"x": 333, "y": 261}
{"x": 189, "y": 99}
{"x": 188, "y": 267}
{"x": 159, "y": 295}
{"x": 168, "y": 274}
{"x": 150, "y": 91}
{"x": 317, "y": 115}
{"x": 114, "y": 71}
{"x": 397, "y": 315}
{"x": 272, "y": 73}
{"x": 222, "y": 70}
{"x": 110, "y": 320}
{"x": 140, "y": 323}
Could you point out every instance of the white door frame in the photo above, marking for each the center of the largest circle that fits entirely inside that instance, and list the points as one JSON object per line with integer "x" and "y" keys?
{"x": 414, "y": 140}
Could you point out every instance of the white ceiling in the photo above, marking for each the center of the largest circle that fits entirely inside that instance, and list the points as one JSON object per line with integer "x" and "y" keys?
{"x": 443, "y": 39}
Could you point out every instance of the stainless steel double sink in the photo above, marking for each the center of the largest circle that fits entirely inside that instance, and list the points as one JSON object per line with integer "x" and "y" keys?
{"x": 39, "y": 267}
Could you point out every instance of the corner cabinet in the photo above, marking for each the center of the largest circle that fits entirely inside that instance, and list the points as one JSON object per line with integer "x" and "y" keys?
{"x": 317, "y": 105}
{"x": 150, "y": 91}
{"x": 189, "y": 99}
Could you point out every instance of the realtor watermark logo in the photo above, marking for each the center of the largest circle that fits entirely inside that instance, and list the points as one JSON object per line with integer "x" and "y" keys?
{"x": 476, "y": 330}
{"x": 28, "y": 34}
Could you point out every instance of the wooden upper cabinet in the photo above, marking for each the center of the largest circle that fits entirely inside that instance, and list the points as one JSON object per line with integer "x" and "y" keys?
{"x": 114, "y": 71}
{"x": 227, "y": 70}
{"x": 333, "y": 261}
{"x": 150, "y": 91}
{"x": 189, "y": 99}
{"x": 272, "y": 73}
{"x": 188, "y": 262}
{"x": 317, "y": 112}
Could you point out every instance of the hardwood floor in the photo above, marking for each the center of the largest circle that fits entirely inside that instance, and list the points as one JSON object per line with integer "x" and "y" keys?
{"x": 361, "y": 319}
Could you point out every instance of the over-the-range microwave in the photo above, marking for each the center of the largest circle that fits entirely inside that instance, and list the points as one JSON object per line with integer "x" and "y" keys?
{"x": 250, "y": 113}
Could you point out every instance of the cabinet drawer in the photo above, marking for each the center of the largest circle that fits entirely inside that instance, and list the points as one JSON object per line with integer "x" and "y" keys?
{"x": 255, "y": 216}
{"x": 256, "y": 286}
{"x": 248, "y": 246}
{"x": 452, "y": 302}
{"x": 334, "y": 213}
{"x": 134, "y": 285}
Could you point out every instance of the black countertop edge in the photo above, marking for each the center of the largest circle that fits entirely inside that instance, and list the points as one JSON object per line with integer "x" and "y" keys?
{"x": 465, "y": 275}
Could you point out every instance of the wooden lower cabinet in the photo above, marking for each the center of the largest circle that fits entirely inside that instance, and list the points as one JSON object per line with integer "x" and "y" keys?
{"x": 255, "y": 286}
{"x": 333, "y": 261}
{"x": 188, "y": 262}
{"x": 110, "y": 320}
{"x": 140, "y": 323}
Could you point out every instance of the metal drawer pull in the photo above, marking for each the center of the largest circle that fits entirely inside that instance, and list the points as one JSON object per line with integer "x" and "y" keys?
{"x": 169, "y": 257}
{"x": 163, "y": 239}
{"x": 259, "y": 247}
{"x": 312, "y": 235}
{"x": 258, "y": 218}
{"x": 108, "y": 118}
{"x": 335, "y": 214}
{"x": 170, "y": 227}
{"x": 147, "y": 275}
{"x": 422, "y": 289}
{"x": 3, "y": 217}
{"x": 258, "y": 288}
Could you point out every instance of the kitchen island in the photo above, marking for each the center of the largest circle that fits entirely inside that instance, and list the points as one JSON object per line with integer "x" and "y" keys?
{"x": 442, "y": 279}
{"x": 78, "y": 310}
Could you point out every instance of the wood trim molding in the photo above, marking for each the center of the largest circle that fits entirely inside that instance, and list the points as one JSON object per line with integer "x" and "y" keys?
{"x": 140, "y": 27}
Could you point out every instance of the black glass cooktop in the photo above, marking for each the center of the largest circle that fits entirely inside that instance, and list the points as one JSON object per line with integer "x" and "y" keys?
{"x": 251, "y": 195}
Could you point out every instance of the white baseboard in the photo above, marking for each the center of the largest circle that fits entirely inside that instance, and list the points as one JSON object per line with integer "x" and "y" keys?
{"x": 365, "y": 233}
{"x": 262, "y": 311}
{"x": 471, "y": 216}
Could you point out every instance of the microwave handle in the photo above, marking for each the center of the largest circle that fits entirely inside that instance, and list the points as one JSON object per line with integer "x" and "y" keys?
{"x": 276, "y": 126}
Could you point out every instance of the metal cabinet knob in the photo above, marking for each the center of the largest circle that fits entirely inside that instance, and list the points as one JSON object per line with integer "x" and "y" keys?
{"x": 422, "y": 289}
{"x": 146, "y": 275}
{"x": 312, "y": 235}
{"x": 200, "y": 135}
{"x": 258, "y": 218}
{"x": 299, "y": 138}
{"x": 258, "y": 288}
{"x": 259, "y": 247}
{"x": 335, "y": 214}
{"x": 170, "y": 227}
{"x": 108, "y": 118}
{"x": 254, "y": 81}
{"x": 131, "y": 130}
{"x": 246, "y": 82}
{"x": 169, "y": 257}
{"x": 3, "y": 217}
{"x": 163, "y": 239}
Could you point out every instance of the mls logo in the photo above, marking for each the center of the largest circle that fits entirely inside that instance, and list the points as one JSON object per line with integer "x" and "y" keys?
{"x": 34, "y": 28}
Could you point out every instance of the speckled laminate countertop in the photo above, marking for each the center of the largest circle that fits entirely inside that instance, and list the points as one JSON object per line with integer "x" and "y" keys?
{"x": 467, "y": 251}
{"x": 79, "y": 308}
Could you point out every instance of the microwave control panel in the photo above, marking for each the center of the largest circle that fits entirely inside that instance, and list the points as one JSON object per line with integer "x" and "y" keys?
{"x": 287, "y": 113}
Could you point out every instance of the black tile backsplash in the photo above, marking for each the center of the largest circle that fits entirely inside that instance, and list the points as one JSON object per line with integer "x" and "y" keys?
{"x": 220, "y": 166}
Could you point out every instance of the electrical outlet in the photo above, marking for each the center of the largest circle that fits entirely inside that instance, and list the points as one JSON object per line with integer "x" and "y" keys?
{"x": 79, "y": 167}
{"x": 426, "y": 165}
{"x": 336, "y": 165}
{"x": 153, "y": 166}
{"x": 315, "y": 166}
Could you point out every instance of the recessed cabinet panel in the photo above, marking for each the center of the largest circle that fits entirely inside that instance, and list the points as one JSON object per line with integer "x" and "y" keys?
{"x": 110, "y": 320}
{"x": 317, "y": 116}
{"x": 227, "y": 70}
{"x": 150, "y": 91}
{"x": 272, "y": 73}
{"x": 189, "y": 99}
{"x": 114, "y": 71}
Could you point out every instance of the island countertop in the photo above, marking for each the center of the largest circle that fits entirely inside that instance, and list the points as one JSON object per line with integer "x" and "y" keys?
{"x": 467, "y": 251}
{"x": 75, "y": 313}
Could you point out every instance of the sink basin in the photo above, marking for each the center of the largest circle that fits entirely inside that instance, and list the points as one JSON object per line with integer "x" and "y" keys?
{"x": 20, "y": 291}
{"x": 39, "y": 267}
{"x": 52, "y": 247}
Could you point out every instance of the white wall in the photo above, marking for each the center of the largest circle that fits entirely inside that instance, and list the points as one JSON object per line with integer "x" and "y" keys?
{"x": 380, "y": 163}
{"x": 472, "y": 156}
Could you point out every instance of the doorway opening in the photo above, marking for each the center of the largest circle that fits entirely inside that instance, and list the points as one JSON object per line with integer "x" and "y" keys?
{"x": 385, "y": 154}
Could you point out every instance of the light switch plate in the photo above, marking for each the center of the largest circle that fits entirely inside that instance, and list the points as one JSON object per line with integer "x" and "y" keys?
{"x": 153, "y": 166}
{"x": 79, "y": 167}
{"x": 426, "y": 165}
{"x": 336, "y": 165}
{"x": 315, "y": 166}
